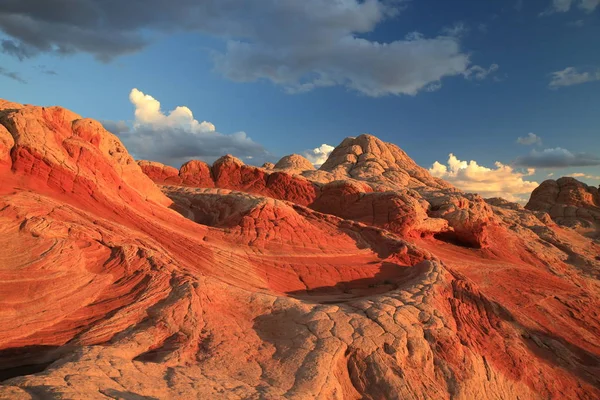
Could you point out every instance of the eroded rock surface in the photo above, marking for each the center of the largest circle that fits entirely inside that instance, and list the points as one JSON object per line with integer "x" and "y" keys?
{"x": 231, "y": 281}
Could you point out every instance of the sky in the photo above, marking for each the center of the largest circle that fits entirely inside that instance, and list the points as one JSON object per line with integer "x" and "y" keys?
{"x": 494, "y": 96}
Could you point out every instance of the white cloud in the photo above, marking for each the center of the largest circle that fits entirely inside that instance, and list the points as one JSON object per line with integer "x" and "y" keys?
{"x": 319, "y": 155}
{"x": 571, "y": 76}
{"x": 479, "y": 73}
{"x": 585, "y": 176}
{"x": 175, "y": 137}
{"x": 148, "y": 112}
{"x": 501, "y": 181}
{"x": 556, "y": 158}
{"x": 530, "y": 139}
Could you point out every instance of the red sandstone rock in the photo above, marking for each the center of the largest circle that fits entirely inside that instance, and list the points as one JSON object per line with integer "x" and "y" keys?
{"x": 196, "y": 173}
{"x": 397, "y": 212}
{"x": 159, "y": 172}
{"x": 73, "y": 155}
{"x": 107, "y": 292}
{"x": 6, "y": 144}
{"x": 229, "y": 172}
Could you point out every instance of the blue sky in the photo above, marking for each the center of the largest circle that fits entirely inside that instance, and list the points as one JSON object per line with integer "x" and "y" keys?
{"x": 476, "y": 77}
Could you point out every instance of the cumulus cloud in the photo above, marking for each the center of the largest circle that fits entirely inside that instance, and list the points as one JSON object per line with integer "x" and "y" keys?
{"x": 556, "y": 158}
{"x": 12, "y": 75}
{"x": 571, "y": 76}
{"x": 501, "y": 181}
{"x": 319, "y": 155}
{"x": 563, "y": 6}
{"x": 176, "y": 137}
{"x": 300, "y": 45}
{"x": 530, "y": 139}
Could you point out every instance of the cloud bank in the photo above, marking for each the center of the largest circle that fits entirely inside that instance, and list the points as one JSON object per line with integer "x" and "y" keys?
{"x": 556, "y": 158}
{"x": 300, "y": 45}
{"x": 176, "y": 137}
{"x": 501, "y": 181}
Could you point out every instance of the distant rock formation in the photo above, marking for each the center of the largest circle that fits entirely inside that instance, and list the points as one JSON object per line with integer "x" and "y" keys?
{"x": 369, "y": 159}
{"x": 294, "y": 163}
{"x": 365, "y": 279}
{"x": 569, "y": 202}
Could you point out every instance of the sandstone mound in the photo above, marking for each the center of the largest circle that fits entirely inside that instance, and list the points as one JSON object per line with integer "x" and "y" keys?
{"x": 270, "y": 285}
{"x": 368, "y": 158}
{"x": 569, "y": 202}
{"x": 58, "y": 149}
{"x": 294, "y": 163}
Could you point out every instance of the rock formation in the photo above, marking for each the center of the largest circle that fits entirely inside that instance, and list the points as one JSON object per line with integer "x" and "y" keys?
{"x": 369, "y": 159}
{"x": 365, "y": 279}
{"x": 570, "y": 203}
{"x": 294, "y": 163}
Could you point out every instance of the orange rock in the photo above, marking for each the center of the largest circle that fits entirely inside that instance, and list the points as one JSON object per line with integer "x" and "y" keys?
{"x": 367, "y": 279}
{"x": 196, "y": 173}
{"x": 160, "y": 173}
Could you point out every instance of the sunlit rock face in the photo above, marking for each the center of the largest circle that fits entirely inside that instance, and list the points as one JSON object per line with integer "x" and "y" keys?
{"x": 365, "y": 279}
